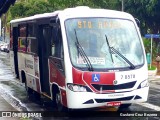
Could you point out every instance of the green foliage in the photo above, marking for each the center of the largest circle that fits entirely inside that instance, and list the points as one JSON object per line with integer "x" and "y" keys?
{"x": 151, "y": 68}
{"x": 24, "y": 9}
{"x": 61, "y": 4}
{"x": 147, "y": 45}
{"x": 147, "y": 11}
{"x": 17, "y": 10}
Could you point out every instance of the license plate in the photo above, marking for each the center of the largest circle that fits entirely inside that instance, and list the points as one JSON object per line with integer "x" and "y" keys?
{"x": 114, "y": 104}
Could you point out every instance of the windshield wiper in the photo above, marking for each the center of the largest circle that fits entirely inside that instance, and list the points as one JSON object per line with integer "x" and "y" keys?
{"x": 122, "y": 56}
{"x": 109, "y": 47}
{"x": 83, "y": 54}
{"x": 132, "y": 66}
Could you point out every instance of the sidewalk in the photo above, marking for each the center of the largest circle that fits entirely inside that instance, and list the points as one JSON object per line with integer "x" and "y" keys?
{"x": 156, "y": 77}
{"x": 5, "y": 106}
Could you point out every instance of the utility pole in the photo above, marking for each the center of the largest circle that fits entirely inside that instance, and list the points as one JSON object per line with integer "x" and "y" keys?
{"x": 4, "y": 37}
{"x": 122, "y": 1}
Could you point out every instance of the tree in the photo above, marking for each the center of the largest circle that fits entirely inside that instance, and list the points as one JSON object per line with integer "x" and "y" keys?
{"x": 17, "y": 10}
{"x": 29, "y": 8}
{"x": 147, "y": 11}
{"x": 61, "y": 4}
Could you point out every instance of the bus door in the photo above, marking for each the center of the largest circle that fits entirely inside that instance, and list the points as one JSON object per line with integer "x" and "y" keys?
{"x": 44, "y": 53}
{"x": 15, "y": 49}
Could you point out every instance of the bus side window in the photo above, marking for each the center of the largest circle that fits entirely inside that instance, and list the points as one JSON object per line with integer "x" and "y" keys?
{"x": 22, "y": 37}
{"x": 53, "y": 40}
{"x": 60, "y": 45}
{"x": 31, "y": 30}
{"x": 22, "y": 30}
{"x": 57, "y": 49}
{"x": 32, "y": 45}
{"x": 32, "y": 42}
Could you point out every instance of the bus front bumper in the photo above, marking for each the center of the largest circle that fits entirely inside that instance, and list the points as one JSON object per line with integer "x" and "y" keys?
{"x": 79, "y": 100}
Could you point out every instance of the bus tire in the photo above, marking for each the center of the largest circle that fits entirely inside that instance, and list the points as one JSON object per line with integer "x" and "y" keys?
{"x": 29, "y": 90}
{"x": 58, "y": 103}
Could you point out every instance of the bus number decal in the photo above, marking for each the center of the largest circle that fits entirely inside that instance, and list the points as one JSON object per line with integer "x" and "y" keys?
{"x": 129, "y": 76}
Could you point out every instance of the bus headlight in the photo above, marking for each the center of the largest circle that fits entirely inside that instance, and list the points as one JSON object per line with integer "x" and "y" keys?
{"x": 77, "y": 88}
{"x": 143, "y": 84}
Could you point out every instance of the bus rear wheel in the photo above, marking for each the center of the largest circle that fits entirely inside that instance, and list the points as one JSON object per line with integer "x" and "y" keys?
{"x": 29, "y": 90}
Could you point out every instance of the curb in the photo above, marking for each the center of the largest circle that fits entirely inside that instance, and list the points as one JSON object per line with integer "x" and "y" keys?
{"x": 5, "y": 106}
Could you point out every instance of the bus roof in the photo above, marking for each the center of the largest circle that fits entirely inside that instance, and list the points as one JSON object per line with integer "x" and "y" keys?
{"x": 44, "y": 15}
{"x": 80, "y": 11}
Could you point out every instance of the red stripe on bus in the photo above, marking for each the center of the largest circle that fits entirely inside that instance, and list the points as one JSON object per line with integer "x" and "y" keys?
{"x": 86, "y": 78}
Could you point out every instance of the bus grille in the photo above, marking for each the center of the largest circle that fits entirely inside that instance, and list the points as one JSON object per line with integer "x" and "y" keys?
{"x": 117, "y": 99}
{"x": 103, "y": 87}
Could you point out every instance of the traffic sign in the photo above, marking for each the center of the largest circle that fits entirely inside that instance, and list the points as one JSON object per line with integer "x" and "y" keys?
{"x": 152, "y": 35}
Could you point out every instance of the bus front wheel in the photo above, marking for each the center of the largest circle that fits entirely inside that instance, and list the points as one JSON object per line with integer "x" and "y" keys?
{"x": 57, "y": 101}
{"x": 59, "y": 105}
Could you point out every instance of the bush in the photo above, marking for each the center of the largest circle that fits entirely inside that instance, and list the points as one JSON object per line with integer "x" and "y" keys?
{"x": 152, "y": 67}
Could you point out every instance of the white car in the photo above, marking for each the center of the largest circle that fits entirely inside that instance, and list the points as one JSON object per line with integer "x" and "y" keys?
{"x": 1, "y": 45}
{"x": 4, "y": 47}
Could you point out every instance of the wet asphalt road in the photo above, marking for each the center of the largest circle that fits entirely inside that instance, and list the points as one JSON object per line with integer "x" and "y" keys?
{"x": 14, "y": 93}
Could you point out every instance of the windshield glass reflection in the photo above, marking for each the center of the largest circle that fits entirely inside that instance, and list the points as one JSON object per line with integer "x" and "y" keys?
{"x": 92, "y": 32}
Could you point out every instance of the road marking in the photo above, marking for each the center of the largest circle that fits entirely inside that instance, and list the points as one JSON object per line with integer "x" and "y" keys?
{"x": 151, "y": 106}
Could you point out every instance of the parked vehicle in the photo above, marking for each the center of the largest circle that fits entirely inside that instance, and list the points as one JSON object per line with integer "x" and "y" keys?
{"x": 4, "y": 47}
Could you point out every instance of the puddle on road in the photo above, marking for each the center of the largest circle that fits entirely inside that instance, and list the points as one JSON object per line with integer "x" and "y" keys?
{"x": 15, "y": 93}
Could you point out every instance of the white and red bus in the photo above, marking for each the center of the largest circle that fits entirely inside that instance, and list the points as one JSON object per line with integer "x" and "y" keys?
{"x": 81, "y": 57}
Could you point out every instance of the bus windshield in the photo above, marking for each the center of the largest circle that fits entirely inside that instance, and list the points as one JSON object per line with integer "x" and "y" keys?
{"x": 107, "y": 43}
